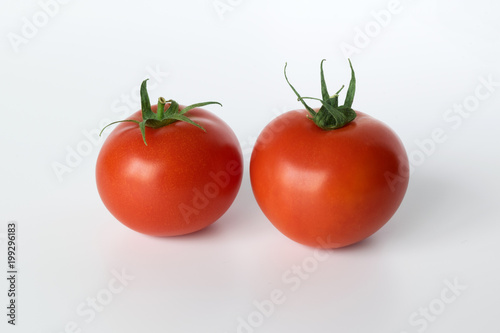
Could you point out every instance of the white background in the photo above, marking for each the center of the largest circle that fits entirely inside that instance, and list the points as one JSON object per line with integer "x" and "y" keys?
{"x": 416, "y": 68}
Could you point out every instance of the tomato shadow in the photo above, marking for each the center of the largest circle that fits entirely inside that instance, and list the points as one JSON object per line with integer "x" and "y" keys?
{"x": 211, "y": 231}
{"x": 424, "y": 213}
{"x": 363, "y": 245}
{"x": 245, "y": 216}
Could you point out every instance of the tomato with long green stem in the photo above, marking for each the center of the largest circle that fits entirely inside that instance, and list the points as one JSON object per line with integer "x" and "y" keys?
{"x": 169, "y": 170}
{"x": 330, "y": 176}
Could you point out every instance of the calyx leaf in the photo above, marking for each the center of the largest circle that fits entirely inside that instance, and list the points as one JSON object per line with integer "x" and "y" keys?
{"x": 330, "y": 115}
{"x": 162, "y": 117}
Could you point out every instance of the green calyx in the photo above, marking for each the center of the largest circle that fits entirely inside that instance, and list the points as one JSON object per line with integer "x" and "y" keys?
{"x": 330, "y": 115}
{"x": 162, "y": 117}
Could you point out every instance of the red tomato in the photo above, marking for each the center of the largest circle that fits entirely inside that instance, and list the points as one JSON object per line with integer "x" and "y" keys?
{"x": 183, "y": 180}
{"x": 328, "y": 188}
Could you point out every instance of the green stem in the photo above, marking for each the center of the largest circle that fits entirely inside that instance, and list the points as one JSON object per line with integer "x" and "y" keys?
{"x": 161, "y": 108}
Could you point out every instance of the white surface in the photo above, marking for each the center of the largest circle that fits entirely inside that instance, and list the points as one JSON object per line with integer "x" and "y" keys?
{"x": 78, "y": 69}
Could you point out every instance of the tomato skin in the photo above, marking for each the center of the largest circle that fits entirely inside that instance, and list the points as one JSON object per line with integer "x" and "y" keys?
{"x": 328, "y": 188}
{"x": 182, "y": 181}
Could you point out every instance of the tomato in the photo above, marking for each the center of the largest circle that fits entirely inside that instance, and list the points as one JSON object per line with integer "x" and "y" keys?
{"x": 183, "y": 180}
{"x": 327, "y": 187}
